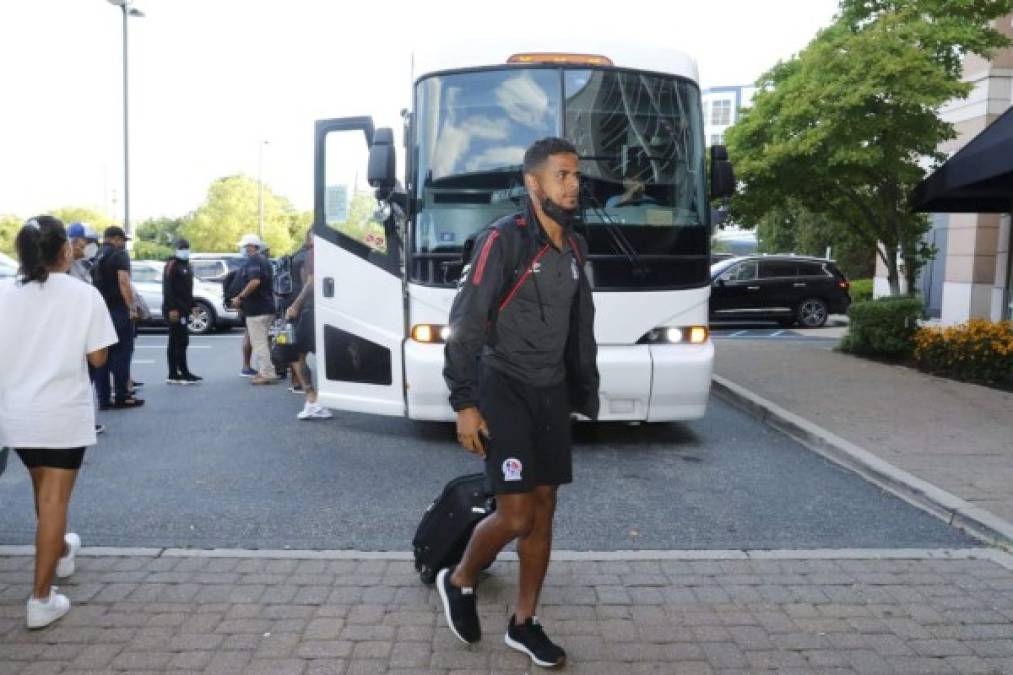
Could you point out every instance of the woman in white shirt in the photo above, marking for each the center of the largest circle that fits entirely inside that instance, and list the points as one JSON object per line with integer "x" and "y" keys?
{"x": 56, "y": 326}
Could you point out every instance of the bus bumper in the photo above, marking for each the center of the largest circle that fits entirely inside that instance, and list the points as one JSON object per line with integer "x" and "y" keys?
{"x": 656, "y": 383}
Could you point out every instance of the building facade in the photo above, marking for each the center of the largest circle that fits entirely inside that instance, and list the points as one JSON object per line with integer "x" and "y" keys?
{"x": 970, "y": 277}
{"x": 721, "y": 107}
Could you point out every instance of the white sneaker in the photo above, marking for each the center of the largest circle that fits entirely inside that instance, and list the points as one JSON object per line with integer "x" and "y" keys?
{"x": 314, "y": 411}
{"x": 41, "y": 613}
{"x": 320, "y": 413}
{"x": 65, "y": 565}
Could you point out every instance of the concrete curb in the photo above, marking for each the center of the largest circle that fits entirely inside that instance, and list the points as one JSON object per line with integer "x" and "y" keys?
{"x": 686, "y": 555}
{"x": 946, "y": 506}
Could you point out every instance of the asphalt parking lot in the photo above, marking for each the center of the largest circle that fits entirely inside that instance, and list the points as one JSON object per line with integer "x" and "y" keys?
{"x": 225, "y": 464}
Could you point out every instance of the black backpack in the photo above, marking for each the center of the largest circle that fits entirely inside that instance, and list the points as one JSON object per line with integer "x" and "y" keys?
{"x": 283, "y": 283}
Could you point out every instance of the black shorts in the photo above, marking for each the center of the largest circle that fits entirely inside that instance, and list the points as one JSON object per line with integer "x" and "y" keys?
{"x": 529, "y": 433}
{"x": 305, "y": 336}
{"x": 64, "y": 458}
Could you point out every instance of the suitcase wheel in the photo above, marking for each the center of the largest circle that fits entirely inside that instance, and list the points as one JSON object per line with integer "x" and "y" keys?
{"x": 428, "y": 576}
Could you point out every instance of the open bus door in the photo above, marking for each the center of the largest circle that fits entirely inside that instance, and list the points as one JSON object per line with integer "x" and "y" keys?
{"x": 358, "y": 286}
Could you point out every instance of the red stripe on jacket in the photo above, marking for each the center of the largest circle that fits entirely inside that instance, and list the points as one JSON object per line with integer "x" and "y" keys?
{"x": 480, "y": 267}
{"x": 520, "y": 282}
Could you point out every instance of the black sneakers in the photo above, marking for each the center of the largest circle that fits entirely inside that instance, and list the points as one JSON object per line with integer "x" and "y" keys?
{"x": 459, "y": 606}
{"x": 530, "y": 638}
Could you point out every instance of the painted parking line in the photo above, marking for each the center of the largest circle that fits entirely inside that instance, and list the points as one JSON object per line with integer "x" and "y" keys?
{"x": 140, "y": 362}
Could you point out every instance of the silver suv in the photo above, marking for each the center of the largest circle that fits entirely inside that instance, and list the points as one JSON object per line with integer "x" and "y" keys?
{"x": 211, "y": 311}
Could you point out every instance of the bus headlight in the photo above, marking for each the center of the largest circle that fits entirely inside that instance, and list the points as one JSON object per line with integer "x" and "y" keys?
{"x": 673, "y": 335}
{"x": 430, "y": 333}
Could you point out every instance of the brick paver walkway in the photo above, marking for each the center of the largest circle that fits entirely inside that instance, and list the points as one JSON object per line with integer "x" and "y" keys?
{"x": 248, "y": 615}
{"x": 951, "y": 434}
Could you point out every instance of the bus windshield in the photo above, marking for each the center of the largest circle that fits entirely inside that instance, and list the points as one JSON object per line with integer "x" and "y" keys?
{"x": 644, "y": 207}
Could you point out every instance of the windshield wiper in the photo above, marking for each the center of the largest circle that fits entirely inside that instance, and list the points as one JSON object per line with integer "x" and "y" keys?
{"x": 640, "y": 270}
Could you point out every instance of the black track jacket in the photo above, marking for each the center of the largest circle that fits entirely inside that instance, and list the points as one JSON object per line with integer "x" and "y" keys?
{"x": 502, "y": 265}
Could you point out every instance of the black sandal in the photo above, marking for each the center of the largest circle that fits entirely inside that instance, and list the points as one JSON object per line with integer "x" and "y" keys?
{"x": 128, "y": 403}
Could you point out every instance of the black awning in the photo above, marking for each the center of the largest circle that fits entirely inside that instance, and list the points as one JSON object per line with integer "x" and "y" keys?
{"x": 977, "y": 179}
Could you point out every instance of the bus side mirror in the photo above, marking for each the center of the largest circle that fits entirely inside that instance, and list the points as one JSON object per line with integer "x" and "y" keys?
{"x": 722, "y": 175}
{"x": 382, "y": 162}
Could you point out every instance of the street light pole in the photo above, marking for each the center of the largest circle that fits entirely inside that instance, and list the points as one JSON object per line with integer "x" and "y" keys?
{"x": 260, "y": 189}
{"x": 128, "y": 11}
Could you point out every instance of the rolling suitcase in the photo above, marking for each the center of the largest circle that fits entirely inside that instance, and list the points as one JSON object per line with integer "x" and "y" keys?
{"x": 447, "y": 524}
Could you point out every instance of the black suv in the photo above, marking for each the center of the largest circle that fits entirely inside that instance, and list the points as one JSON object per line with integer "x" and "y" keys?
{"x": 786, "y": 288}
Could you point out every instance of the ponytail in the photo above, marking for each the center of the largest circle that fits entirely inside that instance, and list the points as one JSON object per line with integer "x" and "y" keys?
{"x": 39, "y": 245}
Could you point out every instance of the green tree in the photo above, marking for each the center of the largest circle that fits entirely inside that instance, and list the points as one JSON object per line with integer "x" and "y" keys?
{"x": 9, "y": 226}
{"x": 795, "y": 229}
{"x": 840, "y": 128}
{"x": 97, "y": 220}
{"x": 231, "y": 210}
{"x": 154, "y": 238}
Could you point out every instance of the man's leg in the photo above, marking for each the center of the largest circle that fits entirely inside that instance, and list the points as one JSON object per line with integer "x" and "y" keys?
{"x": 172, "y": 352}
{"x": 258, "y": 327}
{"x": 247, "y": 350}
{"x": 534, "y": 551}
{"x": 514, "y": 518}
{"x": 120, "y": 355}
{"x": 181, "y": 345}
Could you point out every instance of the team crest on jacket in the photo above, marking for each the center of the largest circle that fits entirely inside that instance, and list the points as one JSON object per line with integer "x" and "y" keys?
{"x": 512, "y": 469}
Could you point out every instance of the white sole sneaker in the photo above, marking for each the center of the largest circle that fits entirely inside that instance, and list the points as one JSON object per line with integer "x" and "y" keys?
{"x": 446, "y": 603}
{"x": 321, "y": 413}
{"x": 513, "y": 644}
{"x": 42, "y": 613}
{"x": 65, "y": 566}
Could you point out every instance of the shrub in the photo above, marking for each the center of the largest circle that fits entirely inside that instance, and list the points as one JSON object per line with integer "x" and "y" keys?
{"x": 861, "y": 290}
{"x": 883, "y": 327}
{"x": 976, "y": 351}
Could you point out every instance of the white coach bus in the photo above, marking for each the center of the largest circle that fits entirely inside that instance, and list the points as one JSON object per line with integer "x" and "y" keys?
{"x": 388, "y": 251}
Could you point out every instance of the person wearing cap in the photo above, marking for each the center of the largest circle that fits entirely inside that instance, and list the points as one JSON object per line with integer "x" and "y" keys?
{"x": 83, "y": 244}
{"x": 177, "y": 306}
{"x": 256, "y": 301}
{"x": 112, "y": 278}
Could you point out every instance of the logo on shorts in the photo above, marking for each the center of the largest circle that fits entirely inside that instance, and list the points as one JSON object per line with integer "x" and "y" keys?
{"x": 512, "y": 469}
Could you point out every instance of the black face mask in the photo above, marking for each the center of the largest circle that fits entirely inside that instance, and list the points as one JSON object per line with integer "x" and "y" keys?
{"x": 553, "y": 210}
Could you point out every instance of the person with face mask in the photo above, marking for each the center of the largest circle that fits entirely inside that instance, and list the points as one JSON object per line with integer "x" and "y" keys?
{"x": 177, "y": 306}
{"x": 82, "y": 243}
{"x": 520, "y": 359}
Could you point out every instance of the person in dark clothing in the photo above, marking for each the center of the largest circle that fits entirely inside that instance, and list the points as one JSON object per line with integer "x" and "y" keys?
{"x": 256, "y": 301}
{"x": 177, "y": 306}
{"x": 111, "y": 274}
{"x": 520, "y": 358}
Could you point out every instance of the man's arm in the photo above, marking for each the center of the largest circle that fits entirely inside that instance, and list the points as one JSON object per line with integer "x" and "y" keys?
{"x": 123, "y": 277}
{"x": 249, "y": 288}
{"x": 480, "y": 286}
{"x": 296, "y": 307}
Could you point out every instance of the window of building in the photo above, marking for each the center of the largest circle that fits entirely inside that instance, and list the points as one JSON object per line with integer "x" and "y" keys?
{"x": 721, "y": 112}
{"x": 716, "y": 139}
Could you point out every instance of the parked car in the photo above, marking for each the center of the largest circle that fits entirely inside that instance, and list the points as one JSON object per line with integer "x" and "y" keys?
{"x": 214, "y": 266}
{"x": 786, "y": 288}
{"x": 211, "y": 311}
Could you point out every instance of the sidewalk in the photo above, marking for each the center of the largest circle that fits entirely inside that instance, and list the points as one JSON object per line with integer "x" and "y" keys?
{"x": 694, "y": 612}
{"x": 956, "y": 436}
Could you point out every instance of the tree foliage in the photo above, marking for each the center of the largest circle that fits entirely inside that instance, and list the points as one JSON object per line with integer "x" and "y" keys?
{"x": 154, "y": 238}
{"x": 796, "y": 229}
{"x": 231, "y": 210}
{"x": 840, "y": 129}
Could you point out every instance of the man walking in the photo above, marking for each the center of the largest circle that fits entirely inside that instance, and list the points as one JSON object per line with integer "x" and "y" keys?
{"x": 256, "y": 301}
{"x": 177, "y": 306}
{"x": 520, "y": 359}
{"x": 112, "y": 278}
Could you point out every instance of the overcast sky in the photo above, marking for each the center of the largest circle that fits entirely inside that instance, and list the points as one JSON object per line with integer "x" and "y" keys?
{"x": 211, "y": 79}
